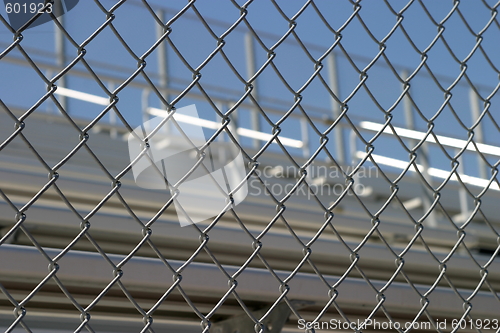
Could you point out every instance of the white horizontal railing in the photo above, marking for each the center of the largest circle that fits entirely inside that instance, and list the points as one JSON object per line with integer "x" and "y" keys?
{"x": 182, "y": 118}
{"x": 442, "y": 140}
{"x": 82, "y": 96}
{"x": 438, "y": 140}
{"x": 215, "y": 126}
{"x": 438, "y": 173}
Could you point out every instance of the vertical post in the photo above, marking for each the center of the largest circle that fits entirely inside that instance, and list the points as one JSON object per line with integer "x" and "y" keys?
{"x": 113, "y": 133}
{"x": 162, "y": 68}
{"x": 233, "y": 125}
{"x": 478, "y": 131}
{"x": 162, "y": 56}
{"x": 353, "y": 152}
{"x": 333, "y": 80}
{"x": 50, "y": 108}
{"x": 251, "y": 69}
{"x": 145, "y": 105}
{"x": 423, "y": 158}
{"x": 305, "y": 138}
{"x": 221, "y": 151}
{"x": 462, "y": 194}
{"x": 60, "y": 49}
{"x": 305, "y": 147}
{"x": 427, "y": 198}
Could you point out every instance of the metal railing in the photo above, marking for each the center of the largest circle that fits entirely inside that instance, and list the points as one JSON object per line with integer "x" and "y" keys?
{"x": 418, "y": 244}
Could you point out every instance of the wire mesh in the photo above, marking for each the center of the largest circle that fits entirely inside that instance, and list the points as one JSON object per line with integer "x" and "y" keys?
{"x": 400, "y": 138}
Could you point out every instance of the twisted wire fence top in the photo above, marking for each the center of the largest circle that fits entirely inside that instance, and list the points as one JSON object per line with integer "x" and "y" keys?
{"x": 316, "y": 96}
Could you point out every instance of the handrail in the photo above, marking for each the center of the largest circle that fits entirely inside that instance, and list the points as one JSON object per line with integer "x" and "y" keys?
{"x": 441, "y": 140}
{"x": 182, "y": 118}
{"x": 438, "y": 173}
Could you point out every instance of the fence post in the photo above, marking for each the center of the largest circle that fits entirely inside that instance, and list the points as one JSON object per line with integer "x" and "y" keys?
{"x": 233, "y": 125}
{"x": 112, "y": 115}
{"x": 251, "y": 69}
{"x": 145, "y": 106}
{"x": 162, "y": 56}
{"x": 60, "y": 49}
{"x": 423, "y": 157}
{"x": 305, "y": 137}
{"x": 333, "y": 81}
{"x": 478, "y": 131}
{"x": 464, "y": 205}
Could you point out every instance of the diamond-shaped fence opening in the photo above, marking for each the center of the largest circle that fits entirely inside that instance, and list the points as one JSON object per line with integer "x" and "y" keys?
{"x": 255, "y": 166}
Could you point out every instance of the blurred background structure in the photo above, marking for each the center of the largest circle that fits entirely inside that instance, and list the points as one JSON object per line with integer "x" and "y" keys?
{"x": 371, "y": 136}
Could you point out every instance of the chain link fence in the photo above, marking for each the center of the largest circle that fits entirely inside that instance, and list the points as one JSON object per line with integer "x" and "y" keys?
{"x": 370, "y": 137}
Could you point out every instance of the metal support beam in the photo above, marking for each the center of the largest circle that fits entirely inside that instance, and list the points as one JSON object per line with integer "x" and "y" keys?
{"x": 423, "y": 159}
{"x": 333, "y": 79}
{"x": 251, "y": 69}
{"x": 162, "y": 56}
{"x": 478, "y": 131}
{"x": 60, "y": 49}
